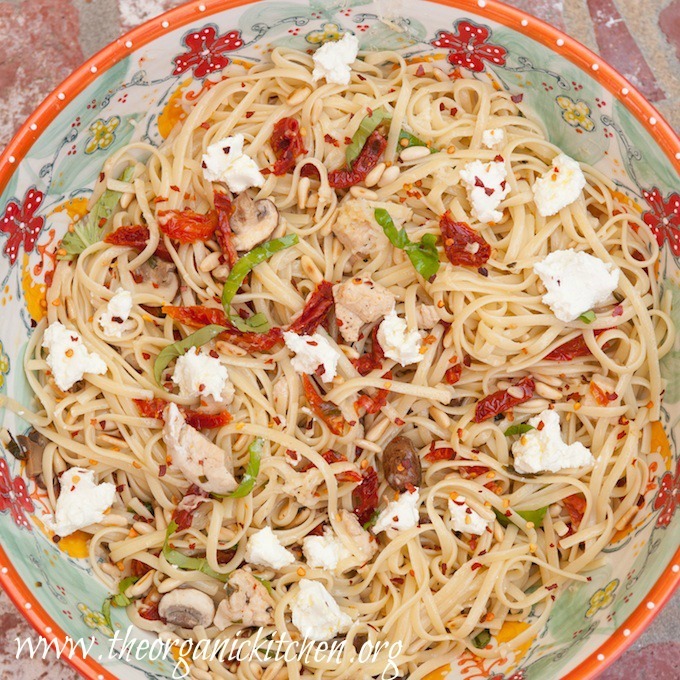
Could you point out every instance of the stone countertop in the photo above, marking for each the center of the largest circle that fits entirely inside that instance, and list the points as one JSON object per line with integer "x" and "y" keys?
{"x": 60, "y": 34}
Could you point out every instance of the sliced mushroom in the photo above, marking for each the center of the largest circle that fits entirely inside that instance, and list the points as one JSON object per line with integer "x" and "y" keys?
{"x": 33, "y": 445}
{"x": 252, "y": 221}
{"x": 247, "y": 601}
{"x": 158, "y": 278}
{"x": 187, "y": 608}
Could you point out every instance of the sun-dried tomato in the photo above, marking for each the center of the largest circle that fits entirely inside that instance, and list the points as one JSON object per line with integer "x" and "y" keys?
{"x": 310, "y": 170}
{"x": 183, "y": 514}
{"x": 443, "y": 453}
{"x": 376, "y": 402}
{"x": 331, "y": 457}
{"x": 365, "y": 496}
{"x": 452, "y": 375}
{"x": 368, "y": 158}
{"x": 462, "y": 244}
{"x": 325, "y": 410}
{"x": 188, "y": 226}
{"x": 136, "y": 236}
{"x": 369, "y": 361}
{"x": 149, "y": 612}
{"x": 139, "y": 568}
{"x": 197, "y": 316}
{"x": 576, "y": 347}
{"x": 576, "y": 507}
{"x": 315, "y": 310}
{"x": 472, "y": 471}
{"x": 501, "y": 400}
{"x": 153, "y": 408}
{"x": 287, "y": 144}
{"x": 224, "y": 234}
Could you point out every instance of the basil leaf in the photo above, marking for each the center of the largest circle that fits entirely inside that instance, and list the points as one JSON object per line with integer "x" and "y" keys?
{"x": 89, "y": 229}
{"x": 535, "y": 516}
{"x": 519, "y": 428}
{"x": 412, "y": 140}
{"x": 588, "y": 317}
{"x": 366, "y": 128}
{"x": 252, "y": 470}
{"x": 424, "y": 255}
{"x": 177, "y": 349}
{"x": 184, "y": 561}
{"x": 482, "y": 639}
{"x": 241, "y": 269}
{"x": 106, "y": 611}
{"x": 373, "y": 519}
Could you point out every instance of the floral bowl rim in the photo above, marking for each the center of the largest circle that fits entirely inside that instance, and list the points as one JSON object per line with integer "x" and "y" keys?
{"x": 578, "y": 54}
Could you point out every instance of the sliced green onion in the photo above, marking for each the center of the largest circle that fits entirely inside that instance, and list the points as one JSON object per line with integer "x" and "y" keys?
{"x": 185, "y": 562}
{"x": 257, "y": 323}
{"x": 177, "y": 349}
{"x": 106, "y": 611}
{"x": 588, "y": 317}
{"x": 481, "y": 640}
{"x": 520, "y": 428}
{"x": 366, "y": 128}
{"x": 535, "y": 516}
{"x": 423, "y": 255}
{"x": 252, "y": 470}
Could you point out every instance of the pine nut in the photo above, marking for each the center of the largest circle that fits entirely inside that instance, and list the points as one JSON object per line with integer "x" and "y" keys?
{"x": 112, "y": 520}
{"x": 143, "y": 528}
{"x": 126, "y": 199}
{"x": 361, "y": 192}
{"x": 169, "y": 584}
{"x": 298, "y": 96}
{"x": 390, "y": 175}
{"x": 310, "y": 269}
{"x": 561, "y": 529}
{"x": 515, "y": 392}
{"x": 210, "y": 262}
{"x": 374, "y": 176}
{"x": 414, "y": 153}
{"x": 440, "y": 75}
{"x": 543, "y": 390}
{"x": 221, "y": 273}
{"x": 439, "y": 417}
{"x": 555, "y": 510}
{"x": 140, "y": 588}
{"x": 378, "y": 430}
{"x": 303, "y": 192}
{"x": 110, "y": 569}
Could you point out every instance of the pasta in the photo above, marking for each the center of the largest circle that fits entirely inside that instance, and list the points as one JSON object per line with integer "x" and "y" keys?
{"x": 484, "y": 329}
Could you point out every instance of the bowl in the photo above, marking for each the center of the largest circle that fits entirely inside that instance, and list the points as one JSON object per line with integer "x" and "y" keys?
{"x": 131, "y": 90}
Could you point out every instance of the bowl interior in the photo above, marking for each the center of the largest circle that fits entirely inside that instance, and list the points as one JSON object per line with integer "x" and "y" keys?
{"x": 135, "y": 98}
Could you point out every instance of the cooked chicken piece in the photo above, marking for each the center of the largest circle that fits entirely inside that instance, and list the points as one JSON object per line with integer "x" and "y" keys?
{"x": 359, "y": 301}
{"x": 355, "y": 537}
{"x": 427, "y": 317}
{"x": 187, "y": 608}
{"x": 200, "y": 461}
{"x": 247, "y": 602}
{"x": 158, "y": 278}
{"x": 304, "y": 487}
{"x": 356, "y": 228}
{"x": 252, "y": 221}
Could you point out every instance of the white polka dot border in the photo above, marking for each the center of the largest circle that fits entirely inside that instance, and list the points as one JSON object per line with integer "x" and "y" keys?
{"x": 650, "y": 605}
{"x": 48, "y": 629}
{"x": 600, "y": 657}
{"x": 201, "y": 8}
{"x": 525, "y": 22}
{"x": 626, "y": 632}
{"x": 560, "y": 42}
{"x": 624, "y": 91}
{"x": 93, "y": 69}
{"x": 595, "y": 67}
{"x": 11, "y": 159}
{"x": 165, "y": 24}
{"x": 128, "y": 44}
{"x": 61, "y": 96}
{"x": 652, "y": 120}
{"x": 28, "y": 605}
{"x": 676, "y": 567}
{"x": 33, "y": 127}
{"x": 4, "y": 570}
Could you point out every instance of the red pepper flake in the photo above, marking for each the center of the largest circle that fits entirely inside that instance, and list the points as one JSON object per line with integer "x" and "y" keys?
{"x": 540, "y": 426}
{"x": 420, "y": 71}
{"x": 331, "y": 140}
{"x": 452, "y": 375}
{"x": 576, "y": 507}
{"x": 475, "y": 565}
{"x": 618, "y": 310}
{"x": 517, "y": 98}
{"x": 162, "y": 469}
{"x": 146, "y": 356}
{"x": 442, "y": 106}
{"x": 453, "y": 111}
{"x": 250, "y": 114}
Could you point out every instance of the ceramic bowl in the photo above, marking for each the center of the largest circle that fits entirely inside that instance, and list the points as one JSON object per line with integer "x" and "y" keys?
{"x": 130, "y": 91}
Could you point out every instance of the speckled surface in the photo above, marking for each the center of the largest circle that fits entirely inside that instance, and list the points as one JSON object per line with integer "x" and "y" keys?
{"x": 641, "y": 38}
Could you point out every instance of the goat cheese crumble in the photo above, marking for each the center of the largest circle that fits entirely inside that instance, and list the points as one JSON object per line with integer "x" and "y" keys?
{"x": 399, "y": 344}
{"x": 316, "y": 614}
{"x": 81, "y": 502}
{"x": 333, "y": 60}
{"x": 465, "y": 519}
{"x": 401, "y": 514}
{"x": 493, "y": 138}
{"x": 225, "y": 161}
{"x": 312, "y": 351}
{"x": 576, "y": 282}
{"x": 325, "y": 551}
{"x": 117, "y": 312}
{"x": 68, "y": 358}
{"x": 200, "y": 375}
{"x": 559, "y": 186}
{"x": 265, "y": 549}
{"x": 544, "y": 450}
{"x": 486, "y": 187}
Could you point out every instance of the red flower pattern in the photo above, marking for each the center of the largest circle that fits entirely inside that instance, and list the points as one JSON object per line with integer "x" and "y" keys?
{"x": 22, "y": 224}
{"x": 664, "y": 218}
{"x": 206, "y": 50}
{"x": 14, "y": 496}
{"x": 668, "y": 498}
{"x": 468, "y": 46}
